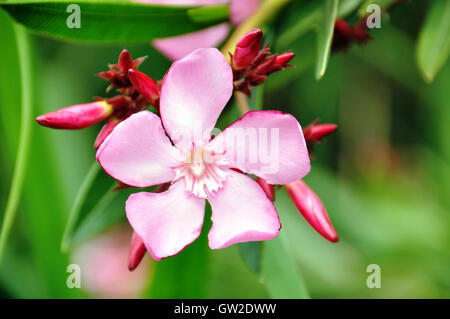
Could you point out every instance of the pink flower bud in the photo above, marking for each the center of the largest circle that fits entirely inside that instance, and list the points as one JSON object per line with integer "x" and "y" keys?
{"x": 267, "y": 188}
{"x": 315, "y": 132}
{"x": 247, "y": 49}
{"x": 144, "y": 85}
{"x": 137, "y": 251}
{"x": 310, "y": 206}
{"x": 77, "y": 116}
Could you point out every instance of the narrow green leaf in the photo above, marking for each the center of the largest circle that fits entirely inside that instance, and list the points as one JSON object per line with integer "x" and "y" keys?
{"x": 304, "y": 49}
{"x": 325, "y": 35}
{"x": 94, "y": 186}
{"x": 109, "y": 210}
{"x": 112, "y": 21}
{"x": 347, "y": 6}
{"x": 308, "y": 17}
{"x": 433, "y": 46}
{"x": 280, "y": 273}
{"x": 209, "y": 14}
{"x": 251, "y": 253}
{"x": 25, "y": 136}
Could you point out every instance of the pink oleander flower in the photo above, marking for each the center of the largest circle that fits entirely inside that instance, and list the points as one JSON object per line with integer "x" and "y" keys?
{"x": 139, "y": 153}
{"x": 175, "y": 48}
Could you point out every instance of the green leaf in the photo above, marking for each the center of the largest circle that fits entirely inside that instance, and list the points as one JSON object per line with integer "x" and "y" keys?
{"x": 251, "y": 253}
{"x": 433, "y": 46}
{"x": 303, "y": 60}
{"x": 109, "y": 210}
{"x": 90, "y": 198}
{"x": 325, "y": 35}
{"x": 20, "y": 168}
{"x": 209, "y": 14}
{"x": 346, "y": 7}
{"x": 115, "y": 21}
{"x": 308, "y": 17}
{"x": 280, "y": 273}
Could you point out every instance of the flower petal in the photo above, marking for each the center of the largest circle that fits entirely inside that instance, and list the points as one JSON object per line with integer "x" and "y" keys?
{"x": 241, "y": 10}
{"x": 194, "y": 92}
{"x": 167, "y": 222}
{"x": 241, "y": 212}
{"x": 269, "y": 144}
{"x": 176, "y": 48}
{"x": 137, "y": 152}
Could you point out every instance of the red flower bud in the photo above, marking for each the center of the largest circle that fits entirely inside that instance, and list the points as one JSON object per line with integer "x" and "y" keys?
{"x": 105, "y": 131}
{"x": 247, "y": 49}
{"x": 77, "y": 116}
{"x": 284, "y": 58}
{"x": 267, "y": 188}
{"x": 345, "y": 35}
{"x": 126, "y": 62}
{"x": 312, "y": 209}
{"x": 360, "y": 31}
{"x": 144, "y": 85}
{"x": 137, "y": 251}
{"x": 315, "y": 132}
{"x": 118, "y": 73}
{"x": 280, "y": 62}
{"x": 343, "y": 28}
{"x": 266, "y": 66}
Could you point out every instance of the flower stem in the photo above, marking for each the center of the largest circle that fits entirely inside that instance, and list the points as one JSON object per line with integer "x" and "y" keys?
{"x": 265, "y": 12}
{"x": 23, "y": 50}
{"x": 242, "y": 103}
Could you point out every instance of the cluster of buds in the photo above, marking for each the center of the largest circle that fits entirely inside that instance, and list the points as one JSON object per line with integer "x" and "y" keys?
{"x": 345, "y": 35}
{"x": 251, "y": 64}
{"x": 136, "y": 92}
{"x": 305, "y": 200}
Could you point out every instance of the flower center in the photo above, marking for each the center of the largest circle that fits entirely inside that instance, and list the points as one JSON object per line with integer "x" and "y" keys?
{"x": 204, "y": 172}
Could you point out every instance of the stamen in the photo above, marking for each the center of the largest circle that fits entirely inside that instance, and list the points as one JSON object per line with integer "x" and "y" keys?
{"x": 204, "y": 172}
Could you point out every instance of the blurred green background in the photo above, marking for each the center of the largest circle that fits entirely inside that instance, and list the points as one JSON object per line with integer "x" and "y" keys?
{"x": 384, "y": 177}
